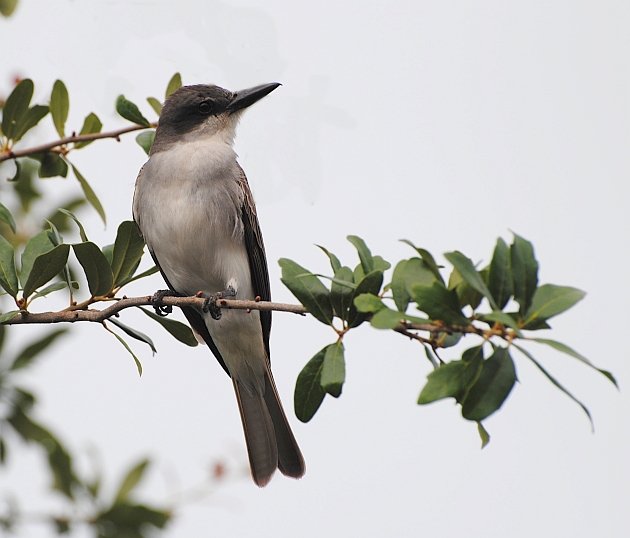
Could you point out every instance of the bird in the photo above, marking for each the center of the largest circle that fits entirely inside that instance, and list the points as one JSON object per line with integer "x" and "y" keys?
{"x": 195, "y": 210}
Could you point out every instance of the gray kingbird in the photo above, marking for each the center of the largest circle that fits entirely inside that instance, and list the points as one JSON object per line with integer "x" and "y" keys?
{"x": 195, "y": 210}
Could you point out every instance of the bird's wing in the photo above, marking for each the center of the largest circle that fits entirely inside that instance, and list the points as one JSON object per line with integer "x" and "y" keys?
{"x": 256, "y": 256}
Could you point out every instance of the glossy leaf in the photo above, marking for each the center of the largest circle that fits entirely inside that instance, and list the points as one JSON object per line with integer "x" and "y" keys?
{"x": 131, "y": 480}
{"x": 308, "y": 289}
{"x": 91, "y": 125}
{"x": 341, "y": 292}
{"x": 46, "y": 267}
{"x": 145, "y": 140}
{"x": 174, "y": 84}
{"x": 155, "y": 105}
{"x": 36, "y": 245}
{"x": 333, "y": 369}
{"x": 309, "y": 393}
{"x": 500, "y": 274}
{"x": 439, "y": 303}
{"x": 492, "y": 387}
{"x": 134, "y": 333}
{"x": 550, "y": 300}
{"x": 128, "y": 250}
{"x": 97, "y": 270}
{"x": 470, "y": 275}
{"x": 130, "y": 111}
{"x": 8, "y": 275}
{"x": 15, "y": 108}
{"x": 178, "y": 330}
{"x": 90, "y": 195}
{"x": 34, "y": 350}
{"x": 524, "y": 272}
{"x": 7, "y": 217}
{"x": 59, "y": 106}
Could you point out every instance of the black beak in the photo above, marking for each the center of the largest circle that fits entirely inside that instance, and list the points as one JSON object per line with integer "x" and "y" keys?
{"x": 244, "y": 98}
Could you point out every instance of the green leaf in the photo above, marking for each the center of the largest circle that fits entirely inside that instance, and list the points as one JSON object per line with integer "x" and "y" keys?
{"x": 8, "y": 275}
{"x": 15, "y": 108}
{"x": 439, "y": 303}
{"x": 471, "y": 276}
{"x": 128, "y": 250}
{"x": 308, "y": 289}
{"x": 365, "y": 256}
{"x": 8, "y": 316}
{"x": 447, "y": 381}
{"x": 155, "y": 105}
{"x": 126, "y": 346}
{"x": 134, "y": 333}
{"x": 7, "y": 7}
{"x": 407, "y": 274}
{"x": 500, "y": 281}
{"x": 333, "y": 373}
{"x": 387, "y": 318}
{"x": 563, "y": 348}
{"x": 131, "y": 480}
{"x": 555, "y": 382}
{"x": 135, "y": 277}
{"x": 97, "y": 270}
{"x": 370, "y": 283}
{"x": 45, "y": 267}
{"x": 130, "y": 111}
{"x": 466, "y": 294}
{"x": 368, "y": 302}
{"x": 55, "y": 286}
{"x": 309, "y": 393}
{"x": 550, "y": 300}
{"x": 29, "y": 120}
{"x": 70, "y": 214}
{"x": 89, "y": 193}
{"x": 36, "y": 245}
{"x": 174, "y": 84}
{"x": 341, "y": 292}
{"x": 178, "y": 330}
{"x": 491, "y": 388}
{"x": 7, "y": 217}
{"x": 503, "y": 318}
{"x": 25, "y": 357}
{"x": 524, "y": 272}
{"x": 335, "y": 264}
{"x": 91, "y": 125}
{"x": 59, "y": 106}
{"x": 483, "y": 435}
{"x": 145, "y": 140}
{"x": 52, "y": 165}
{"x": 427, "y": 258}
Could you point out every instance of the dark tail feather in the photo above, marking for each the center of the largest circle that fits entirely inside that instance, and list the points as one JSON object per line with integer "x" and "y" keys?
{"x": 259, "y": 435}
{"x": 290, "y": 460}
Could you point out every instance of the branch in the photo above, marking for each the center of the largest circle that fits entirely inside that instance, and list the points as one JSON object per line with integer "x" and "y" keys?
{"x": 71, "y": 139}
{"x": 98, "y": 316}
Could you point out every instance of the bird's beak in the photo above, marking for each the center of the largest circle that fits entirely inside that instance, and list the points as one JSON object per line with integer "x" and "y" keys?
{"x": 244, "y": 98}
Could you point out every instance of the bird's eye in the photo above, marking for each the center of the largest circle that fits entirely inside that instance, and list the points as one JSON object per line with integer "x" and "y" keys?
{"x": 205, "y": 107}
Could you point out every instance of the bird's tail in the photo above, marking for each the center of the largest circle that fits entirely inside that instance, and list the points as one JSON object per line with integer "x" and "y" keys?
{"x": 270, "y": 441}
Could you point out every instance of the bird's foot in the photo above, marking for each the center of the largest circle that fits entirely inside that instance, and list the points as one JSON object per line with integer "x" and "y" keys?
{"x": 156, "y": 301}
{"x": 210, "y": 304}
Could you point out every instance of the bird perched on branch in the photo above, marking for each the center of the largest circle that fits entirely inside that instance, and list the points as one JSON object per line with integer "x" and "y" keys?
{"x": 195, "y": 210}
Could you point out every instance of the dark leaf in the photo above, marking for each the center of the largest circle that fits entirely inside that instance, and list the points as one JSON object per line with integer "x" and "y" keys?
{"x": 335, "y": 264}
{"x": 342, "y": 291}
{"x": 15, "y": 107}
{"x": 500, "y": 274}
{"x": 91, "y": 125}
{"x": 8, "y": 275}
{"x": 524, "y": 272}
{"x": 134, "y": 333}
{"x": 447, "y": 381}
{"x": 465, "y": 292}
{"x": 470, "y": 275}
{"x": 135, "y": 277}
{"x": 130, "y": 111}
{"x": 407, "y": 274}
{"x": 36, "y": 245}
{"x": 333, "y": 373}
{"x": 550, "y": 300}
{"x": 145, "y": 140}
{"x": 174, "y": 84}
{"x": 504, "y": 319}
{"x": 370, "y": 283}
{"x": 128, "y": 250}
{"x": 59, "y": 106}
{"x": 45, "y": 268}
{"x": 439, "y": 303}
{"x": 47, "y": 290}
{"x": 97, "y": 270}
{"x": 29, "y": 120}
{"x": 82, "y": 233}
{"x": 309, "y": 393}
{"x": 25, "y": 357}
{"x": 178, "y": 330}
{"x": 126, "y": 346}
{"x": 427, "y": 258}
{"x": 131, "y": 480}
{"x": 308, "y": 289}
{"x": 491, "y": 388}
{"x": 367, "y": 260}
{"x": 52, "y": 165}
{"x": 89, "y": 193}
{"x": 7, "y": 217}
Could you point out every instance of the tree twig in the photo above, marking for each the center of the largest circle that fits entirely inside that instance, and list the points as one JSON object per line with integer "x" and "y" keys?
{"x": 5, "y": 156}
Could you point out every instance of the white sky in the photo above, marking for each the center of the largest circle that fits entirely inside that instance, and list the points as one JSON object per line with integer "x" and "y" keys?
{"x": 448, "y": 123}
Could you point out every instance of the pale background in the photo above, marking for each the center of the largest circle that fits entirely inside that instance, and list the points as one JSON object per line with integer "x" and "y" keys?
{"x": 448, "y": 123}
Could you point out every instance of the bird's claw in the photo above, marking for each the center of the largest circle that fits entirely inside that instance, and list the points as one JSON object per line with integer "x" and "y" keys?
{"x": 162, "y": 310}
{"x": 210, "y": 305}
